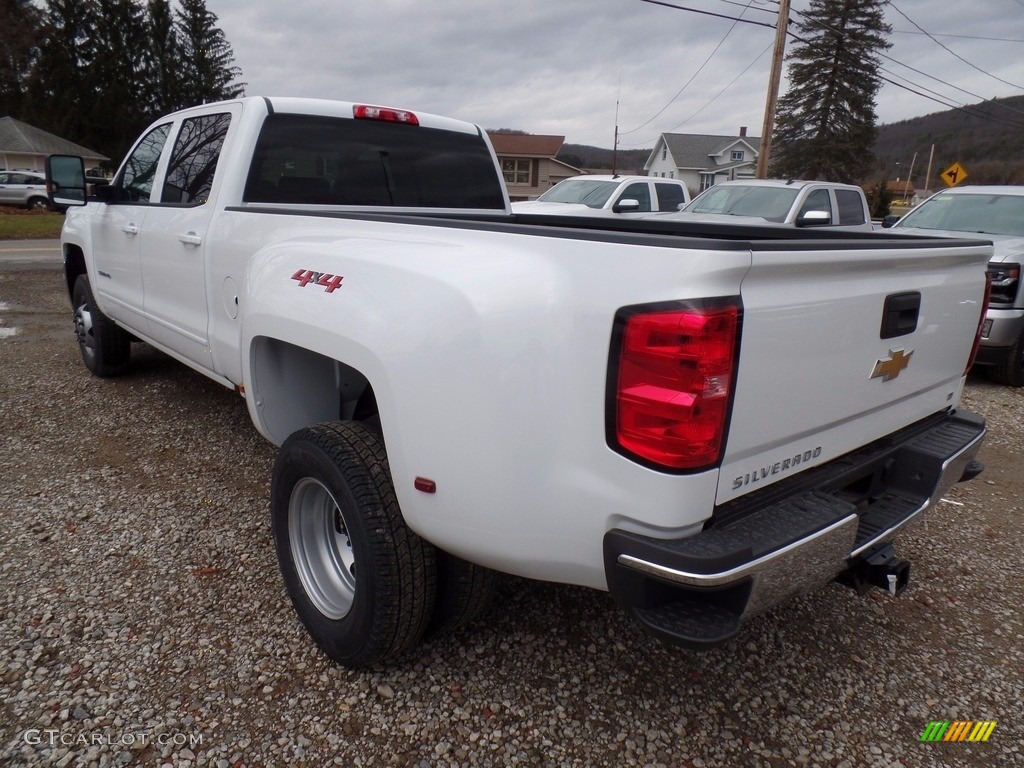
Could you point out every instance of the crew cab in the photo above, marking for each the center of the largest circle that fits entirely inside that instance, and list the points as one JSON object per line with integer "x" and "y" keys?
{"x": 703, "y": 420}
{"x": 791, "y": 203}
{"x": 995, "y": 213}
{"x": 602, "y": 195}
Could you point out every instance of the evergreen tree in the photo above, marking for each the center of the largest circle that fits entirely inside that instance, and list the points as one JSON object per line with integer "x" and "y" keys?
{"x": 163, "y": 59}
{"x": 826, "y": 125}
{"x": 60, "y": 86}
{"x": 20, "y": 21}
{"x": 117, "y": 109}
{"x": 207, "y": 64}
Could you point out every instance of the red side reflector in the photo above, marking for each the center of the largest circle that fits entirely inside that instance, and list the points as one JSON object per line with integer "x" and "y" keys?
{"x": 674, "y": 385}
{"x": 386, "y": 114}
{"x": 425, "y": 484}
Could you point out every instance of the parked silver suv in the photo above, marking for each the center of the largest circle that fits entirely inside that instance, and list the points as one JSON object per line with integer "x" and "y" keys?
{"x": 24, "y": 188}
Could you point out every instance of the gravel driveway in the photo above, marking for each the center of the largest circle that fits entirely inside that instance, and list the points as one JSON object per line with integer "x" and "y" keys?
{"x": 143, "y": 620}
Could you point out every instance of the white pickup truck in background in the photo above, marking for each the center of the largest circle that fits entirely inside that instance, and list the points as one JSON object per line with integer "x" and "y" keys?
{"x": 995, "y": 213}
{"x": 603, "y": 195}
{"x": 702, "y": 420}
{"x": 790, "y": 203}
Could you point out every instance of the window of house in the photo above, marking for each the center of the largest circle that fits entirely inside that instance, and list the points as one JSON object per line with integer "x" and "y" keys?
{"x": 515, "y": 170}
{"x": 737, "y": 154}
{"x": 707, "y": 181}
{"x": 194, "y": 162}
{"x": 664, "y": 152}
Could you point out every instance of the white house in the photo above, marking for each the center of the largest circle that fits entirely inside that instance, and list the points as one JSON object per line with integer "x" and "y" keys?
{"x": 701, "y": 160}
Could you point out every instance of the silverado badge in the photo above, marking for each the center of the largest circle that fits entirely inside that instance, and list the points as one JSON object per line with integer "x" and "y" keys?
{"x": 890, "y": 369}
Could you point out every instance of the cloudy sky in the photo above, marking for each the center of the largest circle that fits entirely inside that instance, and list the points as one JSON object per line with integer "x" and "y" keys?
{"x": 559, "y": 66}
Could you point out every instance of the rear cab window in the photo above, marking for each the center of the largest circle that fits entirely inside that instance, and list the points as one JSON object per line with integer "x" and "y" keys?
{"x": 316, "y": 160}
{"x": 851, "y": 209}
{"x": 670, "y": 196}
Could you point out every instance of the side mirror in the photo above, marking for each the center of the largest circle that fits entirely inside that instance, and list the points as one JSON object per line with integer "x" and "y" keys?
{"x": 65, "y": 180}
{"x": 889, "y": 220}
{"x": 629, "y": 205}
{"x": 814, "y": 219}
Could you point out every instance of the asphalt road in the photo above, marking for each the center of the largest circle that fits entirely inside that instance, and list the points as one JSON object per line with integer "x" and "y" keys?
{"x": 29, "y": 254}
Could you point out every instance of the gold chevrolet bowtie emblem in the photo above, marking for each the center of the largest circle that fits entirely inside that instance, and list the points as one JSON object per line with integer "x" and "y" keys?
{"x": 891, "y": 368}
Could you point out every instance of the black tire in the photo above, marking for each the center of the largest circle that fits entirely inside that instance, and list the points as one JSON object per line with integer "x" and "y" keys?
{"x": 1011, "y": 370}
{"x": 361, "y": 582}
{"x": 39, "y": 204}
{"x": 106, "y": 349}
{"x": 463, "y": 592}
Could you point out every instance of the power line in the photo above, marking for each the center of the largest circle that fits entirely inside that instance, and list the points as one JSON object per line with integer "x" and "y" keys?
{"x": 963, "y": 37}
{"x": 950, "y": 50}
{"x": 692, "y": 78}
{"x": 712, "y": 99}
{"x": 708, "y": 13}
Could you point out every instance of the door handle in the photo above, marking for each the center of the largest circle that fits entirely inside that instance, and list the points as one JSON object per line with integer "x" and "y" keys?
{"x": 130, "y": 229}
{"x": 190, "y": 238}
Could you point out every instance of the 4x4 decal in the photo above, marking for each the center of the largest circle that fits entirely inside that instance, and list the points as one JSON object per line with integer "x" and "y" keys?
{"x": 307, "y": 276}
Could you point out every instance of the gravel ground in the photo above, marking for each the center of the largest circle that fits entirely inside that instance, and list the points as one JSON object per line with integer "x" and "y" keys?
{"x": 143, "y": 620}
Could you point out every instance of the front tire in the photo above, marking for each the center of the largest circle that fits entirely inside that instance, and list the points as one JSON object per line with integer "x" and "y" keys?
{"x": 1011, "y": 371}
{"x": 106, "y": 348}
{"x": 39, "y": 204}
{"x": 362, "y": 583}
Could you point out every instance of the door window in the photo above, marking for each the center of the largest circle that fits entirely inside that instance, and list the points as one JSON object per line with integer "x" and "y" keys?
{"x": 639, "y": 191}
{"x": 139, "y": 172}
{"x": 194, "y": 162}
{"x": 817, "y": 200}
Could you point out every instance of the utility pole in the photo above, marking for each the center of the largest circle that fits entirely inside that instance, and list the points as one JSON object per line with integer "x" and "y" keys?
{"x": 778, "y": 54}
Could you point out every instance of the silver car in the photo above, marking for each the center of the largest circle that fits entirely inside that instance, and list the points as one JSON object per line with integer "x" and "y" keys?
{"x": 26, "y": 189}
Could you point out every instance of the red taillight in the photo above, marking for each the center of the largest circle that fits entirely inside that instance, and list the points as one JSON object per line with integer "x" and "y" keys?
{"x": 981, "y": 323}
{"x": 388, "y": 115}
{"x": 675, "y": 379}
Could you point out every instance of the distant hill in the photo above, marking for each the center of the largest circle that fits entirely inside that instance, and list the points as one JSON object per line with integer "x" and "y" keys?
{"x": 628, "y": 161}
{"x": 987, "y": 139}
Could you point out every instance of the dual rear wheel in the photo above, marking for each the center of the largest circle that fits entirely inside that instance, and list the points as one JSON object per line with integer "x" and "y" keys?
{"x": 366, "y": 587}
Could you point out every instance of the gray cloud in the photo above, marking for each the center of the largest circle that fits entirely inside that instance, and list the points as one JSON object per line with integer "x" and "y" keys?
{"x": 557, "y": 66}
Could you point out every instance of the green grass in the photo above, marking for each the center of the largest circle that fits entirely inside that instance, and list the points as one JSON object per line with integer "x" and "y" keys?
{"x": 22, "y": 225}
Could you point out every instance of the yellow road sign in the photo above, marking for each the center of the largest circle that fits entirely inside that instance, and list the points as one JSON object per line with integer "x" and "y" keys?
{"x": 953, "y": 175}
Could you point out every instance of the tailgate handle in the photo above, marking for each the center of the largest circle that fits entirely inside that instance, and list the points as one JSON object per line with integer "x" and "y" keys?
{"x": 899, "y": 317}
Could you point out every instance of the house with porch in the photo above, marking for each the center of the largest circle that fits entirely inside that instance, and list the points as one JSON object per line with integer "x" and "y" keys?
{"x": 702, "y": 160}
{"x": 528, "y": 163}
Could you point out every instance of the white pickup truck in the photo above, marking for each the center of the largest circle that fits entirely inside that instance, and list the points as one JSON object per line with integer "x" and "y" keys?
{"x": 702, "y": 420}
{"x": 604, "y": 195}
{"x": 792, "y": 203}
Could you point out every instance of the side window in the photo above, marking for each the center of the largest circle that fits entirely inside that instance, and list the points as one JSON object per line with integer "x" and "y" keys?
{"x": 194, "y": 162}
{"x": 136, "y": 182}
{"x": 3, "y": 178}
{"x": 818, "y": 200}
{"x": 670, "y": 197}
{"x": 639, "y": 191}
{"x": 851, "y": 210}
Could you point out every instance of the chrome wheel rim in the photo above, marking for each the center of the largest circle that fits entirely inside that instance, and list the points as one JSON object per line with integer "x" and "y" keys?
{"x": 322, "y": 548}
{"x": 83, "y": 330}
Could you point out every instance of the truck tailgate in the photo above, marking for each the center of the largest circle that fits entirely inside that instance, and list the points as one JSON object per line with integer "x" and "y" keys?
{"x": 842, "y": 345}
